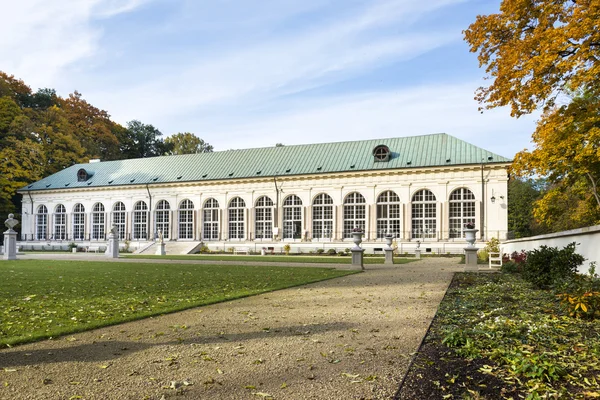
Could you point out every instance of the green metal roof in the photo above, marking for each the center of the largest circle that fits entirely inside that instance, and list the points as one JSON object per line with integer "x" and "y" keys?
{"x": 406, "y": 152}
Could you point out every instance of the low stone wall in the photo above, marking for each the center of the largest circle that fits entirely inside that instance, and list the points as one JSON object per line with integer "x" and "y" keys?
{"x": 587, "y": 239}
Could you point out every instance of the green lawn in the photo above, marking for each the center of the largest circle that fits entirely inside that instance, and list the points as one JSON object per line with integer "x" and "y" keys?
{"x": 41, "y": 299}
{"x": 272, "y": 258}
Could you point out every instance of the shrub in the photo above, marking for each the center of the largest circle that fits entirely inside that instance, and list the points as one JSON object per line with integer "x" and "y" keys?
{"x": 519, "y": 258}
{"x": 204, "y": 249}
{"x": 483, "y": 255}
{"x": 493, "y": 246}
{"x": 331, "y": 252}
{"x": 548, "y": 266}
{"x": 511, "y": 267}
{"x": 320, "y": 251}
{"x": 286, "y": 249}
{"x": 581, "y": 295}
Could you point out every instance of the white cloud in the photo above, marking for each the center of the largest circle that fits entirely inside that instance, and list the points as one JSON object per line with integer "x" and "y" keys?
{"x": 299, "y": 61}
{"x": 416, "y": 111}
{"x": 39, "y": 39}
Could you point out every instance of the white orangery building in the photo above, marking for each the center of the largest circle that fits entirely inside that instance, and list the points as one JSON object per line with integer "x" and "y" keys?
{"x": 421, "y": 189}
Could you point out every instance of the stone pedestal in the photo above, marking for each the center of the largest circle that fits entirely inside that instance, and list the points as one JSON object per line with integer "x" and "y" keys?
{"x": 10, "y": 245}
{"x": 112, "y": 249}
{"x": 10, "y": 239}
{"x": 357, "y": 258}
{"x": 160, "y": 250}
{"x": 389, "y": 256}
{"x": 471, "y": 259}
{"x": 418, "y": 254}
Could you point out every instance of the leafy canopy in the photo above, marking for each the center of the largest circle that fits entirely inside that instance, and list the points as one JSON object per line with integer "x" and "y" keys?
{"x": 187, "y": 143}
{"x": 545, "y": 54}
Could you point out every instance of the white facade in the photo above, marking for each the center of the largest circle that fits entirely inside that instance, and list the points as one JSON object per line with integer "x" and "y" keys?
{"x": 230, "y": 210}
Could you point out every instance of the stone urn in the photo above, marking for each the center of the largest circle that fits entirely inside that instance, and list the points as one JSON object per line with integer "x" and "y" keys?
{"x": 357, "y": 238}
{"x": 470, "y": 236}
{"x": 389, "y": 238}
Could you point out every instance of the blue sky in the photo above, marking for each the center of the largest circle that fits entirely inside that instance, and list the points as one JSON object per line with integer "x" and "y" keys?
{"x": 254, "y": 73}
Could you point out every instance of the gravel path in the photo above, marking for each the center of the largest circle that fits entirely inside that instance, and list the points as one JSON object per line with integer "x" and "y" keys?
{"x": 346, "y": 338}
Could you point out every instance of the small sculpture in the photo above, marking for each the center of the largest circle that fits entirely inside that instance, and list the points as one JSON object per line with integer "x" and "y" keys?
{"x": 11, "y": 222}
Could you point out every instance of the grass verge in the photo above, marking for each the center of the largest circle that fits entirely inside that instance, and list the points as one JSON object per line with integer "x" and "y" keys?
{"x": 270, "y": 259}
{"x": 42, "y": 299}
{"x": 495, "y": 337}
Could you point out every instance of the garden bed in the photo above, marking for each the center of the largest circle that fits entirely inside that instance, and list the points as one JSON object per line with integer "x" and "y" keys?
{"x": 496, "y": 337}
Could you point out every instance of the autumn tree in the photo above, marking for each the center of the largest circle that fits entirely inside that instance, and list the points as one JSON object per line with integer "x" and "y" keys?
{"x": 94, "y": 129}
{"x": 545, "y": 55}
{"x": 187, "y": 143}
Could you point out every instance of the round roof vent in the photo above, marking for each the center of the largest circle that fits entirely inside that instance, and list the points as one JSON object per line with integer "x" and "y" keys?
{"x": 381, "y": 153}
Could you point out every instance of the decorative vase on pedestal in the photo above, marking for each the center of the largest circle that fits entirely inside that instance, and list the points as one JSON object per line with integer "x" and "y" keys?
{"x": 357, "y": 238}
{"x": 470, "y": 236}
{"x": 389, "y": 238}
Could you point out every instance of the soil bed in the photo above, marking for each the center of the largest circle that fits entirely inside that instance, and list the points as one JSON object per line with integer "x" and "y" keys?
{"x": 494, "y": 337}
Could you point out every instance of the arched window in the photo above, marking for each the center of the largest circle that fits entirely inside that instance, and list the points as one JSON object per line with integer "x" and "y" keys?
{"x": 41, "y": 223}
{"x": 186, "y": 219}
{"x": 236, "y": 218}
{"x": 118, "y": 219}
{"x": 162, "y": 216}
{"x": 388, "y": 214}
{"x": 263, "y": 217}
{"x": 354, "y": 213}
{"x": 322, "y": 217}
{"x": 60, "y": 222}
{"x": 78, "y": 222}
{"x": 292, "y": 217}
{"x": 462, "y": 211}
{"x": 424, "y": 217}
{"x": 140, "y": 220}
{"x": 98, "y": 221}
{"x": 210, "y": 230}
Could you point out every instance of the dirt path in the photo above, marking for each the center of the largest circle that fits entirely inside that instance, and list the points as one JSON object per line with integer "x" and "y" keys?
{"x": 347, "y": 338}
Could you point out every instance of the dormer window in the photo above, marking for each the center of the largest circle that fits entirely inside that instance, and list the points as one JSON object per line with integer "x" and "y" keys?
{"x": 381, "y": 153}
{"x": 82, "y": 175}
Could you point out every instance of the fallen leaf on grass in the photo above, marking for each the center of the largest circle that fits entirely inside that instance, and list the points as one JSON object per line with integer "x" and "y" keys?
{"x": 350, "y": 375}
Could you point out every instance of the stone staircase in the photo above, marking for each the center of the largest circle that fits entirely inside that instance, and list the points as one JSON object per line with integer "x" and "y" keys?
{"x": 172, "y": 248}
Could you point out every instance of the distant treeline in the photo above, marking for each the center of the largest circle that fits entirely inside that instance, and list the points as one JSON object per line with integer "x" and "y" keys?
{"x": 42, "y": 133}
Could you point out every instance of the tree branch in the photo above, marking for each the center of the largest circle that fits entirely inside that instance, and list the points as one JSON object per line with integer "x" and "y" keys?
{"x": 595, "y": 191}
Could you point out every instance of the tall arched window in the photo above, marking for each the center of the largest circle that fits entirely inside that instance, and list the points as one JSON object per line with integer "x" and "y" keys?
{"x": 140, "y": 220}
{"x": 186, "y": 219}
{"x": 462, "y": 211}
{"x": 263, "y": 217}
{"x": 322, "y": 217}
{"x": 210, "y": 213}
{"x": 41, "y": 223}
{"x": 424, "y": 217}
{"x": 236, "y": 218}
{"x": 118, "y": 219}
{"x": 60, "y": 222}
{"x": 98, "y": 221}
{"x": 292, "y": 217}
{"x": 354, "y": 213}
{"x": 388, "y": 214}
{"x": 78, "y": 222}
{"x": 162, "y": 216}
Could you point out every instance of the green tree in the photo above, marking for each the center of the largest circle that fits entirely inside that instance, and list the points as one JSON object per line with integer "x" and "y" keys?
{"x": 141, "y": 140}
{"x": 522, "y": 195}
{"x": 187, "y": 143}
{"x": 21, "y": 162}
